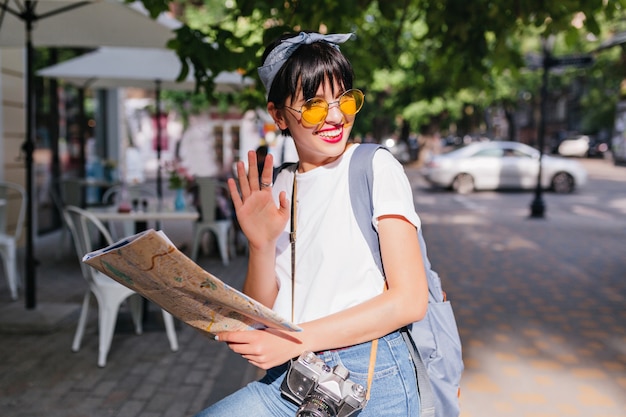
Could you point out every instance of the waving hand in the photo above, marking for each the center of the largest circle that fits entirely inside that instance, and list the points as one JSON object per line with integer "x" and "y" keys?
{"x": 259, "y": 217}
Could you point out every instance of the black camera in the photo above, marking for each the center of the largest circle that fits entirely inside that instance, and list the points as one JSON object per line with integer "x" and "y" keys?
{"x": 322, "y": 391}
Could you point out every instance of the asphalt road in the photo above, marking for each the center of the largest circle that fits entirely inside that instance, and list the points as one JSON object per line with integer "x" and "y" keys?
{"x": 540, "y": 302}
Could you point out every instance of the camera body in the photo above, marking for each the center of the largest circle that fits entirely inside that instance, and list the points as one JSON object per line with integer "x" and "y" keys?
{"x": 322, "y": 391}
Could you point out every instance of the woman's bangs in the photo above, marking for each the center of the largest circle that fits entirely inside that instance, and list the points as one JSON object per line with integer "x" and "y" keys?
{"x": 319, "y": 66}
{"x": 308, "y": 68}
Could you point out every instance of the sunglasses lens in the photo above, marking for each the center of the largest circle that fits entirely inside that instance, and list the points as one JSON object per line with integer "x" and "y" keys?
{"x": 314, "y": 111}
{"x": 351, "y": 102}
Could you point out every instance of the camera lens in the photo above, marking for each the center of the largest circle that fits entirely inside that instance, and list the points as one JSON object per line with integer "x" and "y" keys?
{"x": 315, "y": 405}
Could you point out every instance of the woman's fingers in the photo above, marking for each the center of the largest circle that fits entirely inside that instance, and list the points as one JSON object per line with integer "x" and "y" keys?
{"x": 253, "y": 171}
{"x": 268, "y": 172}
{"x": 249, "y": 180}
{"x": 234, "y": 193}
{"x": 244, "y": 185}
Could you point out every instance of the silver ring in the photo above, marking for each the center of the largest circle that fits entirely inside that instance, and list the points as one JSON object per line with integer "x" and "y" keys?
{"x": 265, "y": 184}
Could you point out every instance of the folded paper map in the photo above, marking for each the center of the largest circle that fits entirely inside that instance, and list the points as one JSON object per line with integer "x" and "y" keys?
{"x": 150, "y": 264}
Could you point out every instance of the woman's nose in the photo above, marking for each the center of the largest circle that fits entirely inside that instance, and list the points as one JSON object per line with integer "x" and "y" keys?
{"x": 334, "y": 113}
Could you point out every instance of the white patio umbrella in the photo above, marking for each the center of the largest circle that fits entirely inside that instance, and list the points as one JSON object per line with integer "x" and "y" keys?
{"x": 70, "y": 23}
{"x": 82, "y": 23}
{"x": 148, "y": 68}
{"x": 114, "y": 67}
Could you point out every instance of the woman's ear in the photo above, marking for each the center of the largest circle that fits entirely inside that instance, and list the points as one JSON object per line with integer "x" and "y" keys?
{"x": 277, "y": 115}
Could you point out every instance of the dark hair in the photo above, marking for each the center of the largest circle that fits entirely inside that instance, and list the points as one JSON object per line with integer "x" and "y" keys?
{"x": 308, "y": 67}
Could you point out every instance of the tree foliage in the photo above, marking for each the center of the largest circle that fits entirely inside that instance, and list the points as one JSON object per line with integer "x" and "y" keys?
{"x": 417, "y": 60}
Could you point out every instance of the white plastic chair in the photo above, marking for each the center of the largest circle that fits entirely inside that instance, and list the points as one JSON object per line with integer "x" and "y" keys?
{"x": 12, "y": 214}
{"x": 110, "y": 294}
{"x": 208, "y": 188}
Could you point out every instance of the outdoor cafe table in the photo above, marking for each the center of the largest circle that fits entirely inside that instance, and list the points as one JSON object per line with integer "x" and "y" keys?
{"x": 134, "y": 221}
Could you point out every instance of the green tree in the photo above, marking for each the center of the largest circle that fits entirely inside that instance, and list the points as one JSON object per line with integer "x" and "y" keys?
{"x": 419, "y": 61}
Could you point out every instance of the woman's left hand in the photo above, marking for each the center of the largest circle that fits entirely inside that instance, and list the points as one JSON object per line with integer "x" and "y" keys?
{"x": 265, "y": 348}
{"x": 259, "y": 217}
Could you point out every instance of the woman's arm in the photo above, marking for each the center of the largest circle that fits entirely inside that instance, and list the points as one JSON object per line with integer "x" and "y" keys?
{"x": 262, "y": 222}
{"x": 404, "y": 302}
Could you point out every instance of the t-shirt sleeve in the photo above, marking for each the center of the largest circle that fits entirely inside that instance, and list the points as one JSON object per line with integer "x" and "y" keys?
{"x": 392, "y": 193}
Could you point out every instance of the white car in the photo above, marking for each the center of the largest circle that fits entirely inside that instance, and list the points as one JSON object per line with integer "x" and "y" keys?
{"x": 502, "y": 165}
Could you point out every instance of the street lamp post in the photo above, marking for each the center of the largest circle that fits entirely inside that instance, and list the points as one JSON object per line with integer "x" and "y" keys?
{"x": 538, "y": 207}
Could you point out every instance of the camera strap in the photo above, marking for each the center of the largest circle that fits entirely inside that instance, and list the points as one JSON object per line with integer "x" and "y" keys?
{"x": 370, "y": 370}
{"x": 292, "y": 240}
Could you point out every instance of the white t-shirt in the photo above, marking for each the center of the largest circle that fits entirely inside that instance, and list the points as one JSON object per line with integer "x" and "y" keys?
{"x": 334, "y": 265}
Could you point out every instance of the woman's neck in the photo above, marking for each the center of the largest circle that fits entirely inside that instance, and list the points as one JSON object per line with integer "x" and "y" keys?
{"x": 305, "y": 166}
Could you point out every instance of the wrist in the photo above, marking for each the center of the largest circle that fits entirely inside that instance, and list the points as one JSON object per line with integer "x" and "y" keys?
{"x": 308, "y": 341}
{"x": 262, "y": 248}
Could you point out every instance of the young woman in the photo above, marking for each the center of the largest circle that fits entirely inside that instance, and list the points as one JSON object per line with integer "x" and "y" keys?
{"x": 335, "y": 290}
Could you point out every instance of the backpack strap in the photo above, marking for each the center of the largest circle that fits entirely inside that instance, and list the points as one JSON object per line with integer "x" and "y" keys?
{"x": 361, "y": 181}
{"x": 290, "y": 166}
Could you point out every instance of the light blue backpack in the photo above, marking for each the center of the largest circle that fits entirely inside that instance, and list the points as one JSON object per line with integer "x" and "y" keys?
{"x": 434, "y": 342}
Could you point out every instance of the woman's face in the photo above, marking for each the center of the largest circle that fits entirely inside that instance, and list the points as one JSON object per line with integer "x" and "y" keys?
{"x": 320, "y": 144}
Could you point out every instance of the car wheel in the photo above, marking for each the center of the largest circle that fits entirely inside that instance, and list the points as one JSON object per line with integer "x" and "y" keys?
{"x": 563, "y": 183}
{"x": 463, "y": 184}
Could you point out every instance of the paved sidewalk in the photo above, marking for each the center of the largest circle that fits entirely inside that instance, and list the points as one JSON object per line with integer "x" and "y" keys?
{"x": 41, "y": 376}
{"x": 540, "y": 304}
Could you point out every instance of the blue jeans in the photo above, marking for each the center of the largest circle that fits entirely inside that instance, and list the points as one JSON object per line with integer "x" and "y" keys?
{"x": 393, "y": 392}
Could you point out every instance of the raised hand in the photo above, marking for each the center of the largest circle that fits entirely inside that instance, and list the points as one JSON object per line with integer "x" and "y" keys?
{"x": 259, "y": 217}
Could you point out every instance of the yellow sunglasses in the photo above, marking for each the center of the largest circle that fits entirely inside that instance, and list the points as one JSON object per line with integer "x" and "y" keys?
{"x": 315, "y": 110}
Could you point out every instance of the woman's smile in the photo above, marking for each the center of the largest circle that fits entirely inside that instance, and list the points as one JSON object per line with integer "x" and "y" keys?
{"x": 332, "y": 135}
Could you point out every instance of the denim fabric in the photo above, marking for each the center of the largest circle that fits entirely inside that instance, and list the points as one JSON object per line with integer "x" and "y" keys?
{"x": 393, "y": 392}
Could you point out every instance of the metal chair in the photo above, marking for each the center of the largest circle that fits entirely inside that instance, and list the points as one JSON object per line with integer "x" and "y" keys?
{"x": 110, "y": 294}
{"x": 130, "y": 192}
{"x": 12, "y": 213}
{"x": 208, "y": 189}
